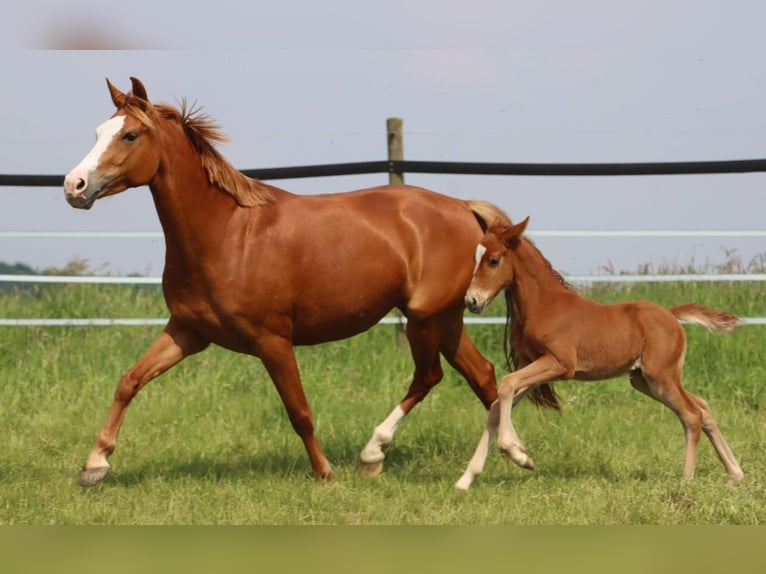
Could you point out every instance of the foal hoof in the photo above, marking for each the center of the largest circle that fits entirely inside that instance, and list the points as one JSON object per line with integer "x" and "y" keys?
{"x": 92, "y": 476}
{"x": 371, "y": 468}
{"x": 520, "y": 458}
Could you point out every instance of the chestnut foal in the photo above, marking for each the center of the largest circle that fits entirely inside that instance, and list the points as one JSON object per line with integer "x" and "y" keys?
{"x": 559, "y": 335}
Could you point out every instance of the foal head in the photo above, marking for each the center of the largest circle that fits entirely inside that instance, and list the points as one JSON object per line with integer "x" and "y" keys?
{"x": 494, "y": 264}
{"x": 125, "y": 154}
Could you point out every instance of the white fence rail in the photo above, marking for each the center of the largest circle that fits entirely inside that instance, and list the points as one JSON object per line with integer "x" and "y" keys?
{"x": 576, "y": 279}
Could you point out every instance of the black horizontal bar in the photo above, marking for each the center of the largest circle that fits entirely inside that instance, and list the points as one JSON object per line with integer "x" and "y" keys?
{"x": 581, "y": 169}
{"x": 462, "y": 168}
{"x": 319, "y": 170}
{"x": 32, "y": 180}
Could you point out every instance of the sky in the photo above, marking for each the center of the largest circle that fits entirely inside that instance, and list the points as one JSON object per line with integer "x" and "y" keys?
{"x": 304, "y": 83}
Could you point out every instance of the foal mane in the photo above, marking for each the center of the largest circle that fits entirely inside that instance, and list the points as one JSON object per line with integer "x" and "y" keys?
{"x": 558, "y": 276}
{"x": 543, "y": 395}
{"x": 203, "y": 133}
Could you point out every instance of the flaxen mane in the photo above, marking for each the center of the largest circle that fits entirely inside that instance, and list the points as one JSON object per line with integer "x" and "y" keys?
{"x": 203, "y": 133}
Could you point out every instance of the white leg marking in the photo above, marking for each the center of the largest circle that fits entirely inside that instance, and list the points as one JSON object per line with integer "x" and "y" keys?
{"x": 382, "y": 436}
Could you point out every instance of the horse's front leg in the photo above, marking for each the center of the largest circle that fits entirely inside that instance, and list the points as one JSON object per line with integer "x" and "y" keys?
{"x": 476, "y": 465}
{"x": 279, "y": 359}
{"x": 172, "y": 346}
{"x": 546, "y": 369}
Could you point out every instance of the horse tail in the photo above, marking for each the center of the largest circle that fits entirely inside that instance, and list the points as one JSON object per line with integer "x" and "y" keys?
{"x": 711, "y": 319}
{"x": 487, "y": 213}
{"x": 542, "y": 395}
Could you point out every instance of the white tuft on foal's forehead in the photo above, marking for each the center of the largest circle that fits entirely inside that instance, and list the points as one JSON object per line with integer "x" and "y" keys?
{"x": 104, "y": 135}
{"x": 480, "y": 251}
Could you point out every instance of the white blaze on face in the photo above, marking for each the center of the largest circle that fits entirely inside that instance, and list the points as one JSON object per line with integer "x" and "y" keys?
{"x": 480, "y": 251}
{"x": 104, "y": 135}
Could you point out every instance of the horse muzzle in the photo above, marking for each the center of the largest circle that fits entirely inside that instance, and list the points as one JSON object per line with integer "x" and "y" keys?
{"x": 475, "y": 302}
{"x": 79, "y": 194}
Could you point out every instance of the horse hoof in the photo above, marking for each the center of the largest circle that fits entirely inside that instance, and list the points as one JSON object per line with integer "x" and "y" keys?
{"x": 520, "y": 458}
{"x": 325, "y": 478}
{"x": 92, "y": 476}
{"x": 371, "y": 468}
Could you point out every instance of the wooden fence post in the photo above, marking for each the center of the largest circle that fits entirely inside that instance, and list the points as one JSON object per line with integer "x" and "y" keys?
{"x": 396, "y": 153}
{"x": 395, "y": 148}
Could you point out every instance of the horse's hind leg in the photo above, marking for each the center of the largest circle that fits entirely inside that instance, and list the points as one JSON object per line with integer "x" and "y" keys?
{"x": 423, "y": 336}
{"x": 172, "y": 345}
{"x": 667, "y": 389}
{"x": 466, "y": 359}
{"x": 720, "y": 445}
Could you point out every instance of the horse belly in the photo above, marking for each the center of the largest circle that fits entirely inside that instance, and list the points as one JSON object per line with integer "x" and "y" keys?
{"x": 611, "y": 355}
{"x": 338, "y": 318}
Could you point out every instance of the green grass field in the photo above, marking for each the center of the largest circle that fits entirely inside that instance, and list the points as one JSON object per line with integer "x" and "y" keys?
{"x": 209, "y": 442}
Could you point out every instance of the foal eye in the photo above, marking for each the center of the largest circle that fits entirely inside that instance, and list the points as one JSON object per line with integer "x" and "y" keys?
{"x": 493, "y": 261}
{"x": 130, "y": 136}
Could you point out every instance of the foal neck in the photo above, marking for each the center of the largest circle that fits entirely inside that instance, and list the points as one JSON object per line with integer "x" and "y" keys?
{"x": 534, "y": 278}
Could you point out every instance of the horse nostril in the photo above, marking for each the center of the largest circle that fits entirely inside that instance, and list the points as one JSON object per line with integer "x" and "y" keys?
{"x": 80, "y": 184}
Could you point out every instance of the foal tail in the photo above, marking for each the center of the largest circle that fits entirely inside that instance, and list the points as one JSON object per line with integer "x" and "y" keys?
{"x": 713, "y": 320}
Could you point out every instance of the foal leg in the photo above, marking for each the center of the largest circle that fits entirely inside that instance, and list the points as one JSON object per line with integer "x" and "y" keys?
{"x": 423, "y": 337}
{"x": 546, "y": 369}
{"x": 278, "y": 357}
{"x": 710, "y": 428}
{"x": 668, "y": 390}
{"x": 479, "y": 458}
{"x": 173, "y": 344}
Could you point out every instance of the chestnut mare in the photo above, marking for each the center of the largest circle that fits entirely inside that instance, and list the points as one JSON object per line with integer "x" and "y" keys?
{"x": 256, "y": 269}
{"x": 559, "y": 335}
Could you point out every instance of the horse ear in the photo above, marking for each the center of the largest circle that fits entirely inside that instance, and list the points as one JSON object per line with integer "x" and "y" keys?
{"x": 138, "y": 89}
{"x": 118, "y": 98}
{"x": 513, "y": 233}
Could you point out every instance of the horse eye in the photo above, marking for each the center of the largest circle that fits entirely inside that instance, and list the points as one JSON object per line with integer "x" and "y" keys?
{"x": 493, "y": 261}
{"x": 130, "y": 136}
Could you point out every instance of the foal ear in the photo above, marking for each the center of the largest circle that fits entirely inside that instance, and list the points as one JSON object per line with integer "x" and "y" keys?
{"x": 513, "y": 233}
{"x": 118, "y": 98}
{"x": 138, "y": 89}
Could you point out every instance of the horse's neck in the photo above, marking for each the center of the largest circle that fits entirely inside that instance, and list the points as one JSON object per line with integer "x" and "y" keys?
{"x": 193, "y": 212}
{"x": 534, "y": 280}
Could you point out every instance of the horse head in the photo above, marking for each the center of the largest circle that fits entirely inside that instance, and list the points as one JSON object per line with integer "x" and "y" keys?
{"x": 125, "y": 153}
{"x": 494, "y": 264}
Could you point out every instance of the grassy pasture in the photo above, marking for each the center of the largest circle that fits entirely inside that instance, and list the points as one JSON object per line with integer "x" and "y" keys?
{"x": 209, "y": 442}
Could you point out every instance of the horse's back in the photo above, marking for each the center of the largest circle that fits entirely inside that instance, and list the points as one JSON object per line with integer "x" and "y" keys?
{"x": 347, "y": 259}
